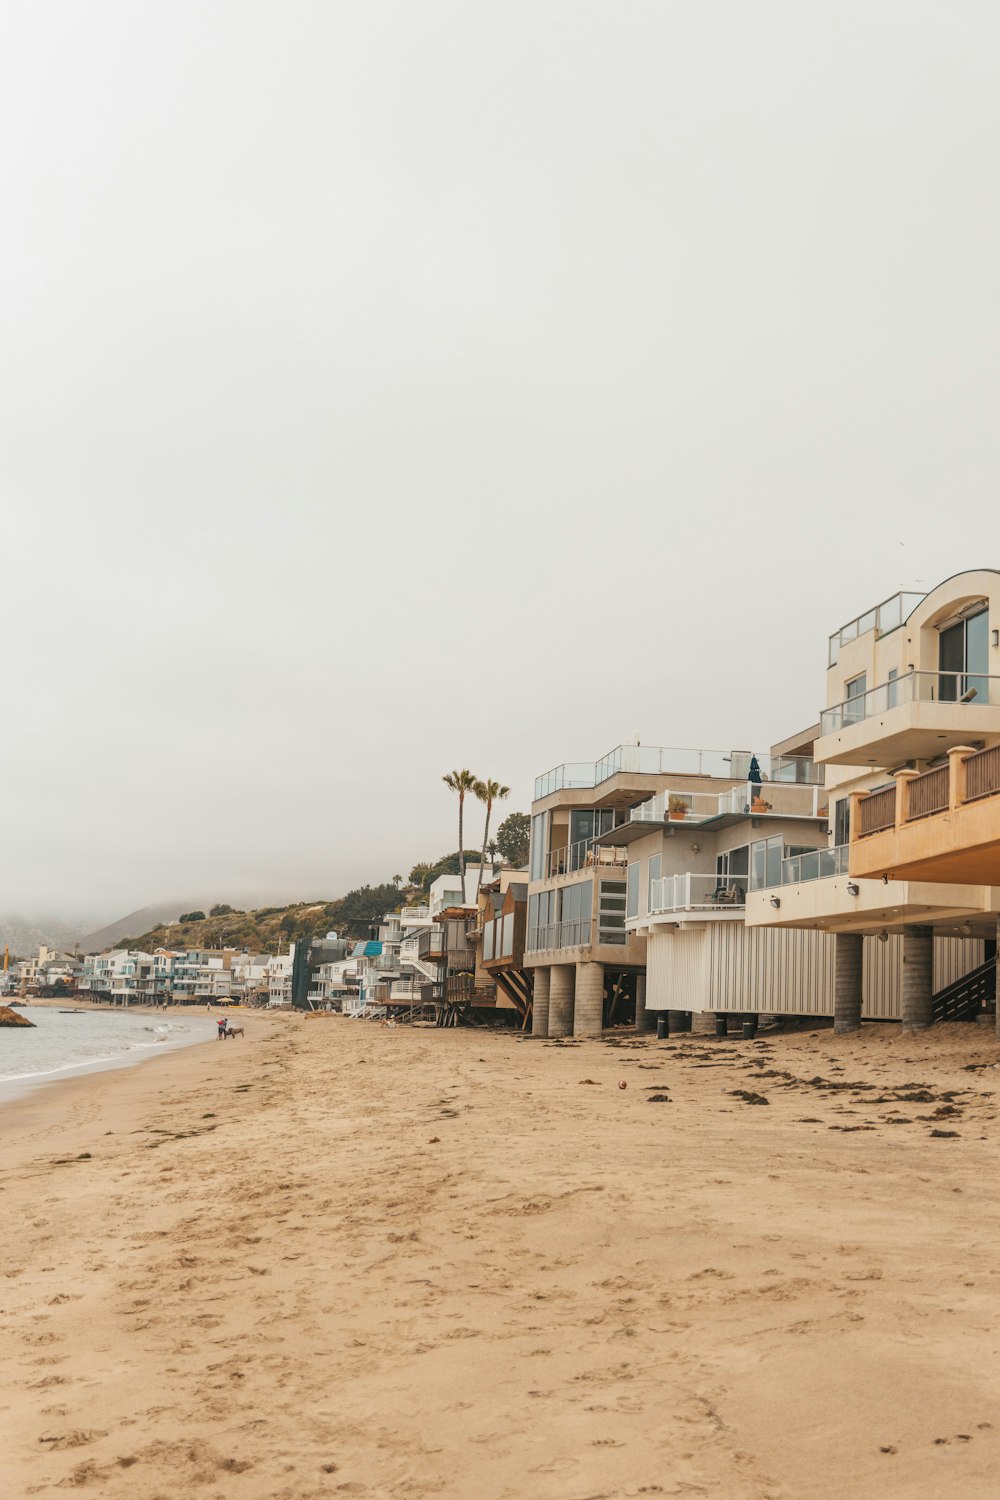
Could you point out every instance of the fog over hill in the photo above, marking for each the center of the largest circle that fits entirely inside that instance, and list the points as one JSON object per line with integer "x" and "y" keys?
{"x": 24, "y": 935}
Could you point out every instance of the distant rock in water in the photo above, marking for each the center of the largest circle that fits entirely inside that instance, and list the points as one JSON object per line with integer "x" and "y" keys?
{"x": 10, "y": 1017}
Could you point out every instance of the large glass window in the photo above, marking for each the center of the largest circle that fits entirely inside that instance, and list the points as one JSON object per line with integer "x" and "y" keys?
{"x": 538, "y": 850}
{"x": 855, "y": 691}
{"x": 507, "y": 937}
{"x": 963, "y": 659}
{"x": 655, "y": 865}
{"x": 765, "y": 862}
{"x": 842, "y": 822}
{"x": 632, "y": 882}
{"x": 487, "y": 942}
{"x": 611, "y": 911}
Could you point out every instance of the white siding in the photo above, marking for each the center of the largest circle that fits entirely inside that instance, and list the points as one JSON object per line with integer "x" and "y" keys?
{"x": 726, "y": 966}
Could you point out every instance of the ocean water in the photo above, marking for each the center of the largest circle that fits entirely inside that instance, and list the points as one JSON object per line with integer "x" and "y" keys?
{"x": 60, "y": 1045}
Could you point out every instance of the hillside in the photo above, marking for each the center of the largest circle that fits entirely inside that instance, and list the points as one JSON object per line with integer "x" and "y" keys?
{"x": 267, "y": 930}
{"x": 136, "y": 921}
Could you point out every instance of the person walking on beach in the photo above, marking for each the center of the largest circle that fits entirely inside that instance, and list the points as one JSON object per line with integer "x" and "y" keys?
{"x": 222, "y": 1023}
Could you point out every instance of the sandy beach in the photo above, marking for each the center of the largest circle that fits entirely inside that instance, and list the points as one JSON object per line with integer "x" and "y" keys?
{"x": 340, "y": 1260}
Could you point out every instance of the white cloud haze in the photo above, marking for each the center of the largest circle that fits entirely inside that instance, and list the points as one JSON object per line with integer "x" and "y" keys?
{"x": 390, "y": 387}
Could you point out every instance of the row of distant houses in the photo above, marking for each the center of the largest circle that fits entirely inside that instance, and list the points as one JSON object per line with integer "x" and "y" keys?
{"x": 130, "y": 977}
{"x": 350, "y": 975}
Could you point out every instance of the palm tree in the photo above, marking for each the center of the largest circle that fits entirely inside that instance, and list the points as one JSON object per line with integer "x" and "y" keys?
{"x": 488, "y": 792}
{"x": 461, "y": 782}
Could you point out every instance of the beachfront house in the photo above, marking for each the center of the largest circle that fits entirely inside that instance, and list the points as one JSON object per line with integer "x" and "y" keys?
{"x": 911, "y": 702}
{"x": 588, "y": 964}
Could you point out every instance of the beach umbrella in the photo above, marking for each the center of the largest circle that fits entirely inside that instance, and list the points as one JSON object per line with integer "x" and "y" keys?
{"x": 754, "y": 772}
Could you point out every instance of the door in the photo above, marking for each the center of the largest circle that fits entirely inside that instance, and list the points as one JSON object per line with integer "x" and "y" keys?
{"x": 963, "y": 660}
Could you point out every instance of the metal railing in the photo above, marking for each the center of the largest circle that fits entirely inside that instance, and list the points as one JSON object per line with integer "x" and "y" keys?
{"x": 883, "y": 618}
{"x": 982, "y": 773}
{"x": 657, "y": 760}
{"x": 817, "y": 864}
{"x": 877, "y": 811}
{"x": 753, "y": 798}
{"x": 574, "y": 934}
{"x": 963, "y": 690}
{"x": 584, "y": 855}
{"x": 926, "y": 794}
{"x": 693, "y": 892}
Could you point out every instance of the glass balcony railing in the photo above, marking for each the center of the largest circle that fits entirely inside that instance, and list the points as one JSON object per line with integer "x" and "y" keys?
{"x": 883, "y": 618}
{"x": 653, "y": 760}
{"x": 818, "y": 864}
{"x": 960, "y": 690}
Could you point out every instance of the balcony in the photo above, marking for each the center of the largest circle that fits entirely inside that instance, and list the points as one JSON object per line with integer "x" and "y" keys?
{"x": 884, "y": 617}
{"x": 768, "y": 799}
{"x": 717, "y": 895}
{"x": 943, "y": 825}
{"x": 653, "y": 760}
{"x": 917, "y": 716}
{"x": 585, "y": 855}
{"x": 559, "y": 935}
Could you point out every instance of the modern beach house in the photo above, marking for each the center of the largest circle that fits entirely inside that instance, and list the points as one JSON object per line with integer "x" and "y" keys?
{"x": 906, "y": 741}
{"x": 618, "y": 844}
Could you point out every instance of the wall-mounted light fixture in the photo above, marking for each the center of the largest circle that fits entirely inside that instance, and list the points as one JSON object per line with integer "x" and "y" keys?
{"x": 885, "y": 880}
{"x": 883, "y": 936}
{"x": 852, "y": 889}
{"x": 695, "y": 848}
{"x": 995, "y": 637}
{"x": 776, "y": 902}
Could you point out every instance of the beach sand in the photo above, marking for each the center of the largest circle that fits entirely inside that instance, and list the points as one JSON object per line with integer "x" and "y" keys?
{"x": 340, "y": 1260}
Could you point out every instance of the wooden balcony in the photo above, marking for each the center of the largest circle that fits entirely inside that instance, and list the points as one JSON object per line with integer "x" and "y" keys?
{"x": 941, "y": 826}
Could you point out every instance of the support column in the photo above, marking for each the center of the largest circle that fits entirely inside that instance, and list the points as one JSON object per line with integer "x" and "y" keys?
{"x": 645, "y": 1020}
{"x": 918, "y": 977}
{"x": 677, "y": 1021}
{"x": 540, "y": 1002}
{"x": 588, "y": 1011}
{"x": 561, "y": 977}
{"x": 847, "y": 954}
{"x": 703, "y": 1022}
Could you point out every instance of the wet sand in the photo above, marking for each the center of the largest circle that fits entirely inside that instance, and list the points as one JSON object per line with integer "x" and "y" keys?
{"x": 337, "y": 1260}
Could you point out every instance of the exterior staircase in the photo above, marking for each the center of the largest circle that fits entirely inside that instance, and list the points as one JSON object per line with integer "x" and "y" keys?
{"x": 969, "y": 996}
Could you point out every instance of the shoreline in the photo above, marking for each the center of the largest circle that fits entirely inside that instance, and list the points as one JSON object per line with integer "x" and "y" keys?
{"x": 20, "y": 1085}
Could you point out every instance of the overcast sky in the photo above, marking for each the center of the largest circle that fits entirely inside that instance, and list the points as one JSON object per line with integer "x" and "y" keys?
{"x": 390, "y": 387}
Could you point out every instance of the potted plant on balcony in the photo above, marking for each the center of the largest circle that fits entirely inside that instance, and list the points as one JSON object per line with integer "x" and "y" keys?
{"x": 676, "y": 806}
{"x": 758, "y": 805}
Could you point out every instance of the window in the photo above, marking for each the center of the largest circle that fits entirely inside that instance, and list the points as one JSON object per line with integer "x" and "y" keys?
{"x": 765, "y": 862}
{"x": 538, "y": 849}
{"x": 855, "y": 690}
{"x": 963, "y": 659}
{"x": 575, "y": 905}
{"x": 655, "y": 865}
{"x": 507, "y": 937}
{"x": 892, "y": 695}
{"x": 487, "y": 942}
{"x": 632, "y": 895}
{"x": 611, "y": 912}
{"x": 842, "y": 822}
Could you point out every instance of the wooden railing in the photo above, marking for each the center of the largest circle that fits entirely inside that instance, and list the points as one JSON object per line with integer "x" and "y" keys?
{"x": 877, "y": 811}
{"x": 928, "y": 794}
{"x": 982, "y": 773}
